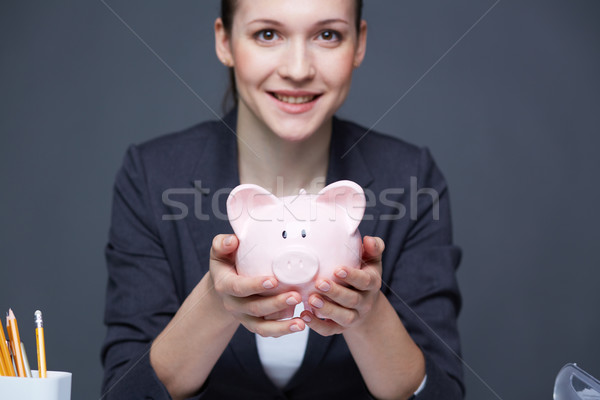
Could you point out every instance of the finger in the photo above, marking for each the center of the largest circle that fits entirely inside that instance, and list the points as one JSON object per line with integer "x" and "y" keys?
{"x": 266, "y": 328}
{"x": 223, "y": 247}
{"x": 283, "y": 314}
{"x": 224, "y": 274}
{"x": 324, "y": 327}
{"x": 243, "y": 286}
{"x": 365, "y": 279}
{"x": 372, "y": 248}
{"x": 260, "y": 306}
{"x": 324, "y": 308}
{"x": 344, "y": 296}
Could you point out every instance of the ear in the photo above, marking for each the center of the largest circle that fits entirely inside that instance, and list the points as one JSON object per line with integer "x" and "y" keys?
{"x": 242, "y": 200}
{"x": 361, "y": 49}
{"x": 223, "y": 44}
{"x": 347, "y": 195}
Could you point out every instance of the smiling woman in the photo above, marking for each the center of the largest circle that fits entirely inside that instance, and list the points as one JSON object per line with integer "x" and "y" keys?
{"x": 386, "y": 330}
{"x": 292, "y": 63}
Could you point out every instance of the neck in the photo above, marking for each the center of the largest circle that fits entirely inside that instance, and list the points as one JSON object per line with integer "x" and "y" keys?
{"x": 282, "y": 166}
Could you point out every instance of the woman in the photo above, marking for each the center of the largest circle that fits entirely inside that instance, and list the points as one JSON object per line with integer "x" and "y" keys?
{"x": 385, "y": 331}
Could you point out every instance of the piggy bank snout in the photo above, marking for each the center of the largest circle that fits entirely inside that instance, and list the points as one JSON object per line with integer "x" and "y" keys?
{"x": 295, "y": 267}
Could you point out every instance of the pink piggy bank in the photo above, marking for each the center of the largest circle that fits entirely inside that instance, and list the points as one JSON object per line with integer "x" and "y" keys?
{"x": 297, "y": 238}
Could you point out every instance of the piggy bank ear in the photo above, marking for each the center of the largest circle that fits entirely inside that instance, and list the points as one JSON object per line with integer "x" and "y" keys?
{"x": 347, "y": 195}
{"x": 242, "y": 200}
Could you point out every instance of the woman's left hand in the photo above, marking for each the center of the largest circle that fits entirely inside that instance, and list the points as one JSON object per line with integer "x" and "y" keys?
{"x": 346, "y": 302}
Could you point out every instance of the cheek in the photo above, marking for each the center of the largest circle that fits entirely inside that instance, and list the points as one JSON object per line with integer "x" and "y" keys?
{"x": 337, "y": 70}
{"x": 250, "y": 67}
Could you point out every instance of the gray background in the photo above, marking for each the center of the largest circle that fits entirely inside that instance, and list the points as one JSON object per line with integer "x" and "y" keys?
{"x": 511, "y": 114}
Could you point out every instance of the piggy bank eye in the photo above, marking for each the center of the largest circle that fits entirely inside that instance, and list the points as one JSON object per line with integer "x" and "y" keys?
{"x": 284, "y": 234}
{"x": 303, "y": 233}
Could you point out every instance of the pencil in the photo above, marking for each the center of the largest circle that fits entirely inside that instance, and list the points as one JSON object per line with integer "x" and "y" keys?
{"x": 3, "y": 370}
{"x": 5, "y": 354}
{"x": 26, "y": 361}
{"x": 41, "y": 346}
{"x": 12, "y": 358}
{"x": 15, "y": 342}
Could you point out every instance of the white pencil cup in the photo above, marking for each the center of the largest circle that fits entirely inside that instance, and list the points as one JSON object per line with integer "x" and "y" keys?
{"x": 57, "y": 386}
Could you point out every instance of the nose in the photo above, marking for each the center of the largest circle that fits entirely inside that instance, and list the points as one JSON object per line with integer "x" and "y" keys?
{"x": 295, "y": 267}
{"x": 297, "y": 62}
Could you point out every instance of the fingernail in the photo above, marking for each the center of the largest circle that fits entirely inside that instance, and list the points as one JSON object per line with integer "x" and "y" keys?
{"x": 295, "y": 328}
{"x": 374, "y": 242}
{"x": 317, "y": 302}
{"x": 341, "y": 274}
{"x": 307, "y": 319}
{"x": 291, "y": 301}
{"x": 228, "y": 240}
{"x": 268, "y": 284}
{"x": 324, "y": 286}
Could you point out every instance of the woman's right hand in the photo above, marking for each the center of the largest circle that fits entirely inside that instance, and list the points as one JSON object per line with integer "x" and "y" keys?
{"x": 251, "y": 300}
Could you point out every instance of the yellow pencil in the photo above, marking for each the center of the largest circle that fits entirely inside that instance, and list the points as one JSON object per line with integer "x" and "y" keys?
{"x": 15, "y": 342}
{"x": 3, "y": 370}
{"x": 5, "y": 354}
{"x": 41, "y": 346}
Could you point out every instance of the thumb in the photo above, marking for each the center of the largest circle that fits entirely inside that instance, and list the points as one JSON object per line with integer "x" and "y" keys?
{"x": 223, "y": 246}
{"x": 373, "y": 247}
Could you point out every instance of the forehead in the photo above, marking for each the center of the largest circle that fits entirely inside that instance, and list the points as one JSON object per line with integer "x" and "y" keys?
{"x": 294, "y": 10}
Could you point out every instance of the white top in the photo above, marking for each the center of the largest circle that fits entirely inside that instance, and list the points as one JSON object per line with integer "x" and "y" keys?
{"x": 281, "y": 357}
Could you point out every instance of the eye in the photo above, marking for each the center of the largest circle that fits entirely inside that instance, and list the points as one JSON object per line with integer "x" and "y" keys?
{"x": 303, "y": 233}
{"x": 284, "y": 234}
{"x": 329, "y": 36}
{"x": 266, "y": 35}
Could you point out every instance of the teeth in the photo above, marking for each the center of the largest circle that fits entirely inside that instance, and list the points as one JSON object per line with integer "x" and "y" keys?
{"x": 294, "y": 100}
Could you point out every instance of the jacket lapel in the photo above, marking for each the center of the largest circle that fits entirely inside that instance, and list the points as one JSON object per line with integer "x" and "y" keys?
{"x": 212, "y": 178}
{"x": 347, "y": 162}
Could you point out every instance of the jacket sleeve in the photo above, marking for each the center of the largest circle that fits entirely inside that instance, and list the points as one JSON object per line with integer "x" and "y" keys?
{"x": 423, "y": 286}
{"x": 140, "y": 296}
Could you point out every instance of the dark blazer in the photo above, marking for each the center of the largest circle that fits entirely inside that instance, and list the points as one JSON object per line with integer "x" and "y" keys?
{"x": 169, "y": 202}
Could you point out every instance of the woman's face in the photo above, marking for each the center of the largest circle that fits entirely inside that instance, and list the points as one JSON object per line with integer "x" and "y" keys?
{"x": 293, "y": 61}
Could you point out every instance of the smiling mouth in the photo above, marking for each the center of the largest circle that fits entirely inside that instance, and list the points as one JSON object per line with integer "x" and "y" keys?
{"x": 294, "y": 100}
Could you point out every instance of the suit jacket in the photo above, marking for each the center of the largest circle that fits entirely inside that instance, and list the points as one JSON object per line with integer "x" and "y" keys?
{"x": 169, "y": 202}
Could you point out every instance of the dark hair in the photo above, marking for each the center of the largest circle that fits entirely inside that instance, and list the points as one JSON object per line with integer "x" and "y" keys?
{"x": 227, "y": 10}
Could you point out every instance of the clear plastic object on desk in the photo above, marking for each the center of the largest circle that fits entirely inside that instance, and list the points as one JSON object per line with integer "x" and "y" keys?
{"x": 573, "y": 383}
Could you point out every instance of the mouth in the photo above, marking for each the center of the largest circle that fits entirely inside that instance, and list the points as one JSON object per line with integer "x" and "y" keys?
{"x": 295, "y": 99}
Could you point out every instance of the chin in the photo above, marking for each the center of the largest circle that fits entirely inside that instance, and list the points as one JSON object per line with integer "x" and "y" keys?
{"x": 295, "y": 131}
{"x": 294, "y": 137}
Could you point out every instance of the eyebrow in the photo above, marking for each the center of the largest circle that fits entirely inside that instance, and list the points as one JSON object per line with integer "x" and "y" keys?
{"x": 277, "y": 23}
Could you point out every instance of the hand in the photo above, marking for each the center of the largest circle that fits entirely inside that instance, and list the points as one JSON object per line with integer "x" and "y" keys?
{"x": 251, "y": 300}
{"x": 345, "y": 302}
